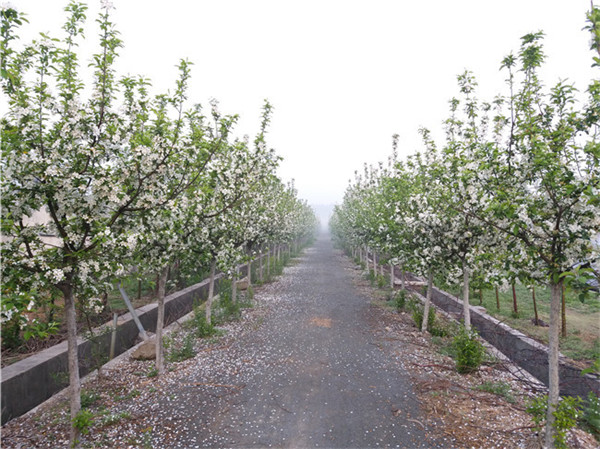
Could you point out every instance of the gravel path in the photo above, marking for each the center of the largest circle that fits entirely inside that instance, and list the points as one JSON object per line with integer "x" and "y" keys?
{"x": 313, "y": 364}
{"x": 312, "y": 373}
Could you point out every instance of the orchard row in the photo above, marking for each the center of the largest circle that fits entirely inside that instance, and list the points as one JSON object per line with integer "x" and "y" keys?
{"x": 512, "y": 193}
{"x": 123, "y": 178}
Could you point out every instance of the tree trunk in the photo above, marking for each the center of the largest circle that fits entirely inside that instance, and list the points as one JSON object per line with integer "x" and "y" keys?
{"x": 160, "y": 320}
{"x": 211, "y": 291}
{"x": 261, "y": 265}
{"x": 402, "y": 283}
{"x": 427, "y": 300}
{"x": 73, "y": 357}
{"x": 535, "y": 311}
{"x": 374, "y": 265}
{"x": 249, "y": 271}
{"x": 480, "y": 296}
{"x": 392, "y": 276}
{"x": 497, "y": 299}
{"x": 515, "y": 306}
{"x": 234, "y": 286}
{"x": 563, "y": 313}
{"x": 268, "y": 261}
{"x": 553, "y": 379}
{"x": 466, "y": 309}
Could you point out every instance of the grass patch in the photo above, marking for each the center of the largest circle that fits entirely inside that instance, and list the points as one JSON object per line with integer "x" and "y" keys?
{"x": 498, "y": 388}
{"x": 583, "y": 318}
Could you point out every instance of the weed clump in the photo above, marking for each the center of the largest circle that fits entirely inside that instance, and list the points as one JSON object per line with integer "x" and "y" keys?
{"x": 590, "y": 417}
{"x": 417, "y": 316}
{"x": 184, "y": 352}
{"x": 400, "y": 300}
{"x": 499, "y": 388}
{"x": 200, "y": 327}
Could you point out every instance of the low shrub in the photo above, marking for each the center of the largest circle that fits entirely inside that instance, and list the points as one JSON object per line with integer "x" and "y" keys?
{"x": 590, "y": 418}
{"x": 566, "y": 415}
{"x": 83, "y": 421}
{"x": 184, "y": 352}
{"x": 227, "y": 309}
{"x": 200, "y": 327}
{"x": 417, "y": 316}
{"x": 400, "y": 300}
{"x": 468, "y": 350}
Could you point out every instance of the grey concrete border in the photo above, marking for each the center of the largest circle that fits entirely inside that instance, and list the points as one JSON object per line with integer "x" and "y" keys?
{"x": 526, "y": 352}
{"x": 29, "y": 382}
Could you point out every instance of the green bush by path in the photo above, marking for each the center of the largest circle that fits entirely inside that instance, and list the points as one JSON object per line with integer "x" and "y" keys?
{"x": 468, "y": 350}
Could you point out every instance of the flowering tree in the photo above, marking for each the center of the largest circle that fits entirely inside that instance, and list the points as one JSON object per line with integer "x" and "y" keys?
{"x": 103, "y": 171}
{"x": 546, "y": 185}
{"x": 226, "y": 215}
{"x": 160, "y": 234}
{"x": 526, "y": 195}
{"x": 72, "y": 158}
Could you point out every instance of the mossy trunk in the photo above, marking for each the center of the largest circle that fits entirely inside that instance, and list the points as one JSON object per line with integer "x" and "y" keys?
{"x": 497, "y": 299}
{"x": 374, "y": 265}
{"x": 563, "y": 313}
{"x": 249, "y": 271}
{"x": 402, "y": 280}
{"x": 268, "y": 261}
{"x": 261, "y": 266}
{"x": 535, "y": 311}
